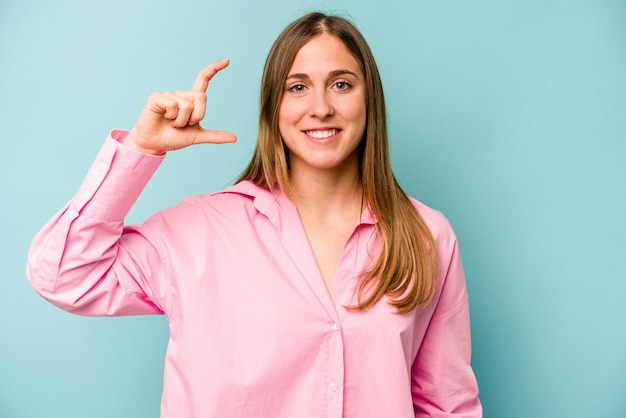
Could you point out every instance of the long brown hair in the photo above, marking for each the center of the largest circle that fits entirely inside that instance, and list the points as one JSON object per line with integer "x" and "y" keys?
{"x": 406, "y": 270}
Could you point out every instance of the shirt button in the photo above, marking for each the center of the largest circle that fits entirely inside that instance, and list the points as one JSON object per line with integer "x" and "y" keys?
{"x": 336, "y": 326}
{"x": 333, "y": 387}
{"x": 101, "y": 166}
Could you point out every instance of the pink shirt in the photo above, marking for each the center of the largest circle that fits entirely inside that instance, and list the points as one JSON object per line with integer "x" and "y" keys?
{"x": 254, "y": 332}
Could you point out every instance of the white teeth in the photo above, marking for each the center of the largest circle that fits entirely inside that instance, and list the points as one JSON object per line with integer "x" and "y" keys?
{"x": 322, "y": 134}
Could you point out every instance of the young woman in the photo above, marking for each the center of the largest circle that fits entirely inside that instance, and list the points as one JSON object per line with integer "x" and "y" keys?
{"x": 313, "y": 287}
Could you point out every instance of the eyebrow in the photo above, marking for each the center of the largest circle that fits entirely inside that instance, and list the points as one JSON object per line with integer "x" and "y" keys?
{"x": 333, "y": 73}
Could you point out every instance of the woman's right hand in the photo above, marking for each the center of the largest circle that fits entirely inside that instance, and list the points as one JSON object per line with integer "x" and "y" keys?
{"x": 171, "y": 121}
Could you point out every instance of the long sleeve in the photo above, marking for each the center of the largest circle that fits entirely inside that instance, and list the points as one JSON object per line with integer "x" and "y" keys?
{"x": 84, "y": 260}
{"x": 443, "y": 382}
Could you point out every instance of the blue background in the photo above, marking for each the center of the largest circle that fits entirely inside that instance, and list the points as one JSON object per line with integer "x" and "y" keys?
{"x": 508, "y": 116}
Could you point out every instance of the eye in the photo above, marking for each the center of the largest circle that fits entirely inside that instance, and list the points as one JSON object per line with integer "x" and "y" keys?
{"x": 342, "y": 85}
{"x": 297, "y": 88}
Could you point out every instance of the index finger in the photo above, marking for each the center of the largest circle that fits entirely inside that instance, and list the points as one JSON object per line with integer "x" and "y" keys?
{"x": 207, "y": 73}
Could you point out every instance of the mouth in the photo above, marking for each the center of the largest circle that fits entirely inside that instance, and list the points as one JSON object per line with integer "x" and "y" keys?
{"x": 322, "y": 134}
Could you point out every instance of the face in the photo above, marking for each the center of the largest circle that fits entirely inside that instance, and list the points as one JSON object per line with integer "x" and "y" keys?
{"x": 322, "y": 113}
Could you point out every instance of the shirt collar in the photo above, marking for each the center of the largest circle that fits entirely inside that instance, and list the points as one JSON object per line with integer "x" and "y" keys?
{"x": 368, "y": 216}
{"x": 268, "y": 202}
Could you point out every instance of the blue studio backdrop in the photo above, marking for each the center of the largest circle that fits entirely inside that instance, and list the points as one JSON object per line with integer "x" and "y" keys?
{"x": 508, "y": 116}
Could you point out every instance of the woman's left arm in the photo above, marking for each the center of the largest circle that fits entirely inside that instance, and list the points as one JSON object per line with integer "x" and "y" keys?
{"x": 443, "y": 382}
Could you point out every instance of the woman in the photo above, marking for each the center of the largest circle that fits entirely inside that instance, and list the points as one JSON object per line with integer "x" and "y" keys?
{"x": 312, "y": 287}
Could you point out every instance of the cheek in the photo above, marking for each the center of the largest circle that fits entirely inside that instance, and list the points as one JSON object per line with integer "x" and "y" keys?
{"x": 357, "y": 112}
{"x": 287, "y": 114}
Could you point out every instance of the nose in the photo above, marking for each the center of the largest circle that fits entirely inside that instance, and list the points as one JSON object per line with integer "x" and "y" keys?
{"x": 321, "y": 106}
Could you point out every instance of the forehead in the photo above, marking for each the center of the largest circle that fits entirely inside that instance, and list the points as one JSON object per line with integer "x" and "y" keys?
{"x": 324, "y": 53}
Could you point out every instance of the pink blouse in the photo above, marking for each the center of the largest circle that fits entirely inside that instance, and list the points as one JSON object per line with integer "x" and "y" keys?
{"x": 253, "y": 330}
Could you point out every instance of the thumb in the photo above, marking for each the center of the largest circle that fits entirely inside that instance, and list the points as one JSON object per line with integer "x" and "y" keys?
{"x": 206, "y": 136}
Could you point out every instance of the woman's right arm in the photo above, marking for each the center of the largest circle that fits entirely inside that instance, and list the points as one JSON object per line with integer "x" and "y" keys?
{"x": 84, "y": 260}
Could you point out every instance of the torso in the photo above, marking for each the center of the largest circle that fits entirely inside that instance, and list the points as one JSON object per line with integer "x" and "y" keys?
{"x": 327, "y": 241}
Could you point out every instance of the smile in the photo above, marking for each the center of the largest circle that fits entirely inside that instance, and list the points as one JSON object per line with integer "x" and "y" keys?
{"x": 322, "y": 134}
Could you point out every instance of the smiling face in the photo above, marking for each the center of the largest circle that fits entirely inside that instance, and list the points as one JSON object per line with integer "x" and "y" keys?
{"x": 322, "y": 113}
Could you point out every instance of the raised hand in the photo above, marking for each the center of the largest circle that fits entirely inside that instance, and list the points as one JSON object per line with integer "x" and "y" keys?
{"x": 171, "y": 121}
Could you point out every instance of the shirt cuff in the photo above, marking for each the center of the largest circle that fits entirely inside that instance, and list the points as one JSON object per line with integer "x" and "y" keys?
{"x": 115, "y": 179}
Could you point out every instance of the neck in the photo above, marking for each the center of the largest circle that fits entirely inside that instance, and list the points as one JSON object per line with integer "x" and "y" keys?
{"x": 324, "y": 193}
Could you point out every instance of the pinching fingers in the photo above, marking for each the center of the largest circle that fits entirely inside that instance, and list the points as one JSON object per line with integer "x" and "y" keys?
{"x": 207, "y": 73}
{"x": 199, "y": 108}
{"x": 179, "y": 110}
